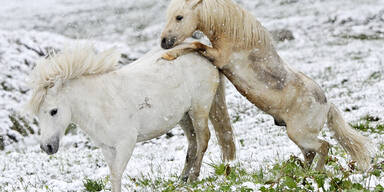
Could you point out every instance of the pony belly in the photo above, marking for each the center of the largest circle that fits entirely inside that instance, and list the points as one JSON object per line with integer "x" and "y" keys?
{"x": 155, "y": 130}
{"x": 155, "y": 124}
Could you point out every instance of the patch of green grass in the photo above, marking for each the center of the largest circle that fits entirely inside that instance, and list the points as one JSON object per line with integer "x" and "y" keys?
{"x": 381, "y": 146}
{"x": 236, "y": 118}
{"x": 70, "y": 129}
{"x": 374, "y": 76}
{"x": 366, "y": 125}
{"x": 370, "y": 118}
{"x": 94, "y": 185}
{"x": 289, "y": 175}
{"x": 242, "y": 142}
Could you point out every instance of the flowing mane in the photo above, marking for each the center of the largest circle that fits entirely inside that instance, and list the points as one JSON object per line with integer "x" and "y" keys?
{"x": 225, "y": 17}
{"x": 67, "y": 65}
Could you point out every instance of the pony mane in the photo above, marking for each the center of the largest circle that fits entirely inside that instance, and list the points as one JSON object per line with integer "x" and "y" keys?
{"x": 67, "y": 65}
{"x": 224, "y": 17}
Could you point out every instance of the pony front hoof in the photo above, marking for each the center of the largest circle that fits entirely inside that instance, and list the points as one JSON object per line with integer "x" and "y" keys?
{"x": 168, "y": 57}
{"x": 188, "y": 178}
{"x": 198, "y": 46}
{"x": 192, "y": 178}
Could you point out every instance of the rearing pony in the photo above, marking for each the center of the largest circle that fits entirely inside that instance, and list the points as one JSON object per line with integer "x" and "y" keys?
{"x": 242, "y": 49}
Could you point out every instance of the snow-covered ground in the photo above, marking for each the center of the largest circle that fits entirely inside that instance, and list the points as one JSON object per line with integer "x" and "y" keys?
{"x": 340, "y": 44}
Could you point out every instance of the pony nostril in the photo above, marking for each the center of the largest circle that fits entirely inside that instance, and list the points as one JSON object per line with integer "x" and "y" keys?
{"x": 164, "y": 43}
{"x": 49, "y": 148}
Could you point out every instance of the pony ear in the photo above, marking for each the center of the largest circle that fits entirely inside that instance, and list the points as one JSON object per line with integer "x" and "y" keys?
{"x": 194, "y": 3}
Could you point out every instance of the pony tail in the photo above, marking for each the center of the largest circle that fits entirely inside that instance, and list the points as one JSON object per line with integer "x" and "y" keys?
{"x": 358, "y": 146}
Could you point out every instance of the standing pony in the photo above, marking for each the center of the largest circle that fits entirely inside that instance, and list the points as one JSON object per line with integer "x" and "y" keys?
{"x": 242, "y": 49}
{"x": 118, "y": 108}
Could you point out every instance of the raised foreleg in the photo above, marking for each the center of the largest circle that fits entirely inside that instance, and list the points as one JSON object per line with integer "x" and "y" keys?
{"x": 219, "y": 57}
{"x": 180, "y": 50}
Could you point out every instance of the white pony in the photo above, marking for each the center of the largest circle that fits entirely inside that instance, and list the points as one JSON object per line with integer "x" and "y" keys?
{"x": 118, "y": 108}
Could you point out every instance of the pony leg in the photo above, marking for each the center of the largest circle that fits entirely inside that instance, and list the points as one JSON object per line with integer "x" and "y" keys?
{"x": 218, "y": 56}
{"x": 221, "y": 122}
{"x": 211, "y": 54}
{"x": 306, "y": 139}
{"x": 117, "y": 159}
{"x": 187, "y": 126}
{"x": 323, "y": 152}
{"x": 199, "y": 118}
{"x": 208, "y": 52}
{"x": 178, "y": 51}
{"x": 308, "y": 156}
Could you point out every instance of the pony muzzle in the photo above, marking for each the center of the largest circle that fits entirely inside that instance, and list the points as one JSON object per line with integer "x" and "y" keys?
{"x": 167, "y": 43}
{"x": 51, "y": 147}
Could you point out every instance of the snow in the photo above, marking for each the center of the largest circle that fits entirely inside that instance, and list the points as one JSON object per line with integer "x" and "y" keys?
{"x": 321, "y": 49}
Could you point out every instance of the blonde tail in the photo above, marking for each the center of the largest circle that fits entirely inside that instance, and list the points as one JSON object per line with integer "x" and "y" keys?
{"x": 358, "y": 146}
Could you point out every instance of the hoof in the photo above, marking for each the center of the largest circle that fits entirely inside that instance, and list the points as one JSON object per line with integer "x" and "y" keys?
{"x": 192, "y": 178}
{"x": 184, "y": 179}
{"x": 227, "y": 170}
{"x": 198, "y": 46}
{"x": 168, "y": 57}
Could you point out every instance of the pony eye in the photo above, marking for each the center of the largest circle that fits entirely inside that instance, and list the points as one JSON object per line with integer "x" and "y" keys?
{"x": 179, "y": 18}
{"x": 53, "y": 112}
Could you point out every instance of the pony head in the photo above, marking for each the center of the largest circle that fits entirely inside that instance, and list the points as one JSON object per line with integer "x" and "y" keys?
{"x": 54, "y": 117}
{"x": 182, "y": 21}
{"x": 50, "y": 90}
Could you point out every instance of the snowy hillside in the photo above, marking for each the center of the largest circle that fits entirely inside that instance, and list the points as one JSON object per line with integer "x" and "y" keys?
{"x": 340, "y": 44}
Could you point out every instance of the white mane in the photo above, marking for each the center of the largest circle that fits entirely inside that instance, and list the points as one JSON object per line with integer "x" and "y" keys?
{"x": 69, "y": 64}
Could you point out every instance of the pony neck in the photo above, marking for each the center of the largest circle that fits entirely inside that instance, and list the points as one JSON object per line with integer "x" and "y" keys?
{"x": 82, "y": 103}
{"x": 93, "y": 94}
{"x": 74, "y": 102}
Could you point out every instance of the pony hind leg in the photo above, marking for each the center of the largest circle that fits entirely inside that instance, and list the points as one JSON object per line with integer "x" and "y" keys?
{"x": 306, "y": 139}
{"x": 221, "y": 122}
{"x": 323, "y": 152}
{"x": 187, "y": 126}
{"x": 309, "y": 155}
{"x": 199, "y": 116}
